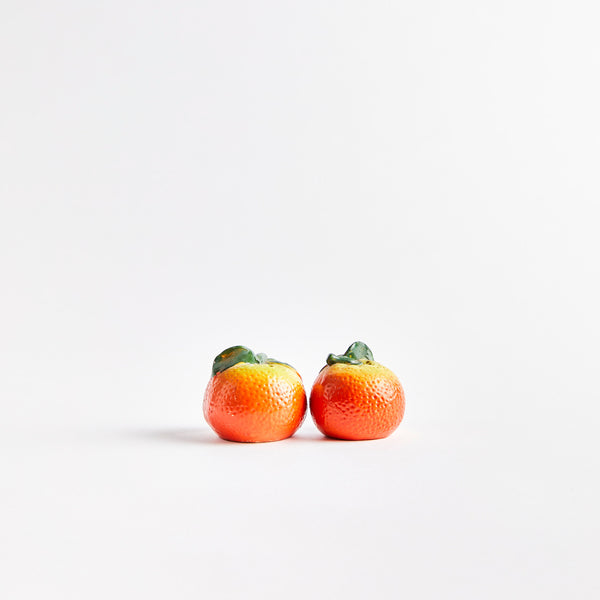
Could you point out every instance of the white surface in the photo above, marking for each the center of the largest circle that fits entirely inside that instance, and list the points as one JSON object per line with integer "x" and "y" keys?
{"x": 181, "y": 177}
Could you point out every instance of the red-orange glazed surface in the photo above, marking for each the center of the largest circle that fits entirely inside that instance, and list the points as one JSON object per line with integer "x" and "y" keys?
{"x": 357, "y": 402}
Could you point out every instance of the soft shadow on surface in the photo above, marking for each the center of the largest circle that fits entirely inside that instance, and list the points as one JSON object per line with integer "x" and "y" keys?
{"x": 316, "y": 436}
{"x": 207, "y": 437}
{"x": 175, "y": 436}
{"x": 310, "y": 437}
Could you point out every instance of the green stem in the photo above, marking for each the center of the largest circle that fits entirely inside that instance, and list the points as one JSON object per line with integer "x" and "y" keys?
{"x": 357, "y": 354}
{"x": 233, "y": 356}
{"x": 236, "y": 354}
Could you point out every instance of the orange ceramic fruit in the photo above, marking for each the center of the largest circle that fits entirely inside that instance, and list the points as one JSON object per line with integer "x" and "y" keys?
{"x": 252, "y": 398}
{"x": 356, "y": 398}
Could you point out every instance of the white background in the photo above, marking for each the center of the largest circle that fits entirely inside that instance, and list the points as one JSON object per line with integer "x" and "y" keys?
{"x": 179, "y": 177}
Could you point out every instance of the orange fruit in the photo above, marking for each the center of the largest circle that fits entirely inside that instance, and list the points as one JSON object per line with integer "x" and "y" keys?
{"x": 356, "y": 398}
{"x": 252, "y": 398}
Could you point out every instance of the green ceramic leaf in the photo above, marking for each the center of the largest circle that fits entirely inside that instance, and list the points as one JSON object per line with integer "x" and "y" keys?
{"x": 356, "y": 354}
{"x": 236, "y": 354}
{"x": 233, "y": 356}
{"x": 334, "y": 359}
{"x": 359, "y": 351}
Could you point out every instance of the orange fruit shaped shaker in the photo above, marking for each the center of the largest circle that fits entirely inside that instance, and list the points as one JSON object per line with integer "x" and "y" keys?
{"x": 252, "y": 398}
{"x": 356, "y": 398}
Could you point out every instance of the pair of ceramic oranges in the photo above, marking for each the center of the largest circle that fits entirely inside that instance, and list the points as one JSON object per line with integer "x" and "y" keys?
{"x": 252, "y": 398}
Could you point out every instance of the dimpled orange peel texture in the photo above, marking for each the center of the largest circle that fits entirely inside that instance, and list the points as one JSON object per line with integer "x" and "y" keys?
{"x": 356, "y": 398}
{"x": 252, "y": 398}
